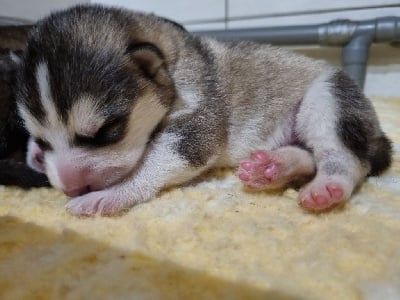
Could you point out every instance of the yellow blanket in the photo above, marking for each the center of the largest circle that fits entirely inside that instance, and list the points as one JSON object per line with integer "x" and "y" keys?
{"x": 210, "y": 240}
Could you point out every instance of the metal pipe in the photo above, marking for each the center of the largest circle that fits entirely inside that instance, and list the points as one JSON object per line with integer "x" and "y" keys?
{"x": 354, "y": 37}
{"x": 288, "y": 35}
{"x": 355, "y": 57}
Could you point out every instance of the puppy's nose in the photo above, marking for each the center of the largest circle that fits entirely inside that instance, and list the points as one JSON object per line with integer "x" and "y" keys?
{"x": 74, "y": 179}
{"x": 77, "y": 191}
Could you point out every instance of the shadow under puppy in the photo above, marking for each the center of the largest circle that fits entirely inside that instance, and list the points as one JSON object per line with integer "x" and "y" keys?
{"x": 121, "y": 104}
{"x": 13, "y": 136}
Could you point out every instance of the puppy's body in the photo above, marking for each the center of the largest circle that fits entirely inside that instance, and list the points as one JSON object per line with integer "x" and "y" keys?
{"x": 13, "y": 136}
{"x": 122, "y": 104}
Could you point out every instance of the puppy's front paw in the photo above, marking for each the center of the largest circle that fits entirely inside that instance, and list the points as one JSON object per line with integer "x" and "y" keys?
{"x": 103, "y": 203}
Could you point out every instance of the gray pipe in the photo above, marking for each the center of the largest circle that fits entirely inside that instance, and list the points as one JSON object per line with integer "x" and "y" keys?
{"x": 274, "y": 35}
{"x": 355, "y": 57}
{"x": 354, "y": 37}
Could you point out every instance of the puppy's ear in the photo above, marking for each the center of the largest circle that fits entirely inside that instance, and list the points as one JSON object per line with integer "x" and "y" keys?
{"x": 147, "y": 57}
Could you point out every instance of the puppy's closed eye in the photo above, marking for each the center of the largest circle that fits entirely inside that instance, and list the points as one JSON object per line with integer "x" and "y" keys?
{"x": 111, "y": 132}
{"x": 43, "y": 145}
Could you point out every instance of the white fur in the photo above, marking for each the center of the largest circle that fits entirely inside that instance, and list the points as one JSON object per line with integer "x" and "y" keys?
{"x": 244, "y": 139}
{"x": 317, "y": 115}
{"x": 187, "y": 101}
{"x": 43, "y": 82}
{"x": 52, "y": 171}
{"x": 163, "y": 160}
{"x": 30, "y": 122}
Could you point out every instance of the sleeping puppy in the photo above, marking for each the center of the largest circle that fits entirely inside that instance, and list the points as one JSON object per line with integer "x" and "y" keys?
{"x": 13, "y": 136}
{"x": 121, "y": 104}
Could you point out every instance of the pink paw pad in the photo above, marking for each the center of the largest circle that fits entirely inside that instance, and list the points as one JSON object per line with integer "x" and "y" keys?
{"x": 259, "y": 170}
{"x": 322, "y": 196}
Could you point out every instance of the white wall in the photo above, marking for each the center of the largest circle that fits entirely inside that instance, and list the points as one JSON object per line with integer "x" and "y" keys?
{"x": 184, "y": 11}
{"x": 33, "y": 9}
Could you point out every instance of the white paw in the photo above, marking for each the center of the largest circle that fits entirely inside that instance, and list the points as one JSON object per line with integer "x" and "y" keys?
{"x": 103, "y": 203}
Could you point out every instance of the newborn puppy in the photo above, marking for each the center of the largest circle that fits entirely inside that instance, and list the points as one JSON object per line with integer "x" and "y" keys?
{"x": 13, "y": 136}
{"x": 121, "y": 104}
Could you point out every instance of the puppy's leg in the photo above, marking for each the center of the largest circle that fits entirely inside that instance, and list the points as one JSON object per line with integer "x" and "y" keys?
{"x": 276, "y": 169}
{"x": 180, "y": 153}
{"x": 340, "y": 127}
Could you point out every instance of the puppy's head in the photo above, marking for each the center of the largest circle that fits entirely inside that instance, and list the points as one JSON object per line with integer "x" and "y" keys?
{"x": 90, "y": 95}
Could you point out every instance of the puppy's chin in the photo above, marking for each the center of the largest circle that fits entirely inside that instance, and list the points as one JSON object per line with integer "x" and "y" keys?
{"x": 35, "y": 157}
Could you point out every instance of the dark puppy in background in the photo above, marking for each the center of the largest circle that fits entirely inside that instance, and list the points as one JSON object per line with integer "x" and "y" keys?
{"x": 121, "y": 104}
{"x": 14, "y": 38}
{"x": 13, "y": 136}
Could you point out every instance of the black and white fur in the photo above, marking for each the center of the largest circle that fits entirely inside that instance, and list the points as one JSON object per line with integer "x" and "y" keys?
{"x": 122, "y": 104}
